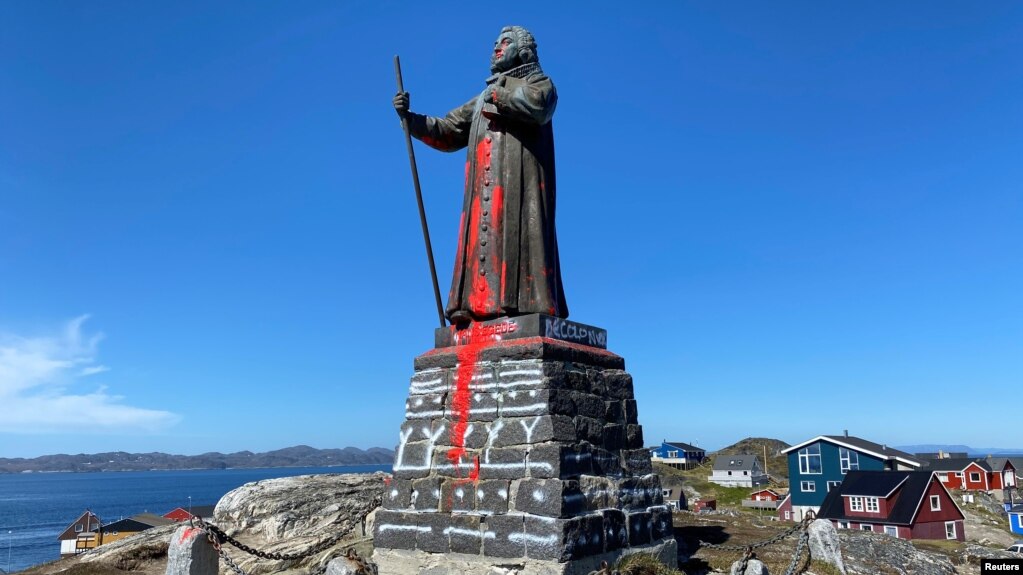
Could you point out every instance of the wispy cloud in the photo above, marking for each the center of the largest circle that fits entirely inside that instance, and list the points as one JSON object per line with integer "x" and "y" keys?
{"x": 41, "y": 388}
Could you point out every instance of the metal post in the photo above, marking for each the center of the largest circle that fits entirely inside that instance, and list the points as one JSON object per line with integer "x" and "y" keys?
{"x": 419, "y": 198}
{"x": 10, "y": 540}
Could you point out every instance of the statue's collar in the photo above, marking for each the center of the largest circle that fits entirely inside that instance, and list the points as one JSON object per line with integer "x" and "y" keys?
{"x": 517, "y": 72}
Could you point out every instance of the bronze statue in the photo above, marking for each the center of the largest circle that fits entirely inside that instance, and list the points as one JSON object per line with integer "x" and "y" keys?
{"x": 507, "y": 259}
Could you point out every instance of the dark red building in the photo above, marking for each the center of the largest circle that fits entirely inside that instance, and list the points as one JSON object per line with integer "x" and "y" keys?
{"x": 903, "y": 504}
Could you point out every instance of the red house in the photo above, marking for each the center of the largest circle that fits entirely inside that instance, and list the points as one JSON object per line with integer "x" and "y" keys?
{"x": 705, "y": 505}
{"x": 785, "y": 508}
{"x": 765, "y": 495}
{"x": 973, "y": 474}
{"x": 903, "y": 504}
{"x": 182, "y": 514}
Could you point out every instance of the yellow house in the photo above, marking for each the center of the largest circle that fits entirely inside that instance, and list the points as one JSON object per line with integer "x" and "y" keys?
{"x": 129, "y": 526}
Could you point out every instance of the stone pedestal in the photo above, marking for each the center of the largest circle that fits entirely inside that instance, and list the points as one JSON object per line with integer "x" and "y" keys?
{"x": 520, "y": 450}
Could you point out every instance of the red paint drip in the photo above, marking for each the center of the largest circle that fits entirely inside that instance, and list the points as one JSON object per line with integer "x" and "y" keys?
{"x": 468, "y": 355}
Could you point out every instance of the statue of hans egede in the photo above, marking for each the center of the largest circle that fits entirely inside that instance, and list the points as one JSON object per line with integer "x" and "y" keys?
{"x": 507, "y": 259}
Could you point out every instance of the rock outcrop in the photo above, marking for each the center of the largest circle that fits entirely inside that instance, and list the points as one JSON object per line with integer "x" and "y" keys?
{"x": 291, "y": 515}
{"x": 867, "y": 553}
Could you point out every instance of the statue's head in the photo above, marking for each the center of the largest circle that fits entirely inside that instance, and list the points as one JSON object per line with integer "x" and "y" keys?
{"x": 514, "y": 46}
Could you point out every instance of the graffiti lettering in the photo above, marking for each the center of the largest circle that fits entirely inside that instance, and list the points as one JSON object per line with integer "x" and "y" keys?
{"x": 484, "y": 333}
{"x": 570, "y": 331}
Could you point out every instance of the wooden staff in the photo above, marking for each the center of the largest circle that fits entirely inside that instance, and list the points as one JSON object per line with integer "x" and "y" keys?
{"x": 419, "y": 197}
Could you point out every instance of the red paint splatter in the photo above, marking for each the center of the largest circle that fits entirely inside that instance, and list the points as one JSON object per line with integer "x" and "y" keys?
{"x": 468, "y": 355}
{"x": 187, "y": 534}
{"x": 387, "y": 481}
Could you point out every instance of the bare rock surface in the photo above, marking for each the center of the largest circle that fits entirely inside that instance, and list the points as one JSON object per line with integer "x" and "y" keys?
{"x": 132, "y": 551}
{"x": 824, "y": 544}
{"x": 292, "y": 515}
{"x": 867, "y": 553}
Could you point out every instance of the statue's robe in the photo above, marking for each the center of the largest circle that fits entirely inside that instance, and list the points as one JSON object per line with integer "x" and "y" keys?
{"x": 507, "y": 259}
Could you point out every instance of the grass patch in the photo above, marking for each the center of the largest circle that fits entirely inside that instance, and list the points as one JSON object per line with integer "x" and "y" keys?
{"x": 643, "y": 564}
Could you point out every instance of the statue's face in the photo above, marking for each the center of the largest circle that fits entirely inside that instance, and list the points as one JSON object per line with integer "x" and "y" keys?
{"x": 505, "y": 52}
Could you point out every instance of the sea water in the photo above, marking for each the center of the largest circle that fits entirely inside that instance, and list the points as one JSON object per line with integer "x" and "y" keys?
{"x": 37, "y": 507}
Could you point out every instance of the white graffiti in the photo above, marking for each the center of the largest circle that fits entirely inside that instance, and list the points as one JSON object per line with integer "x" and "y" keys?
{"x": 529, "y": 429}
{"x": 419, "y": 528}
{"x": 526, "y": 537}
{"x": 469, "y": 533}
{"x": 500, "y": 386}
{"x": 402, "y": 440}
{"x": 569, "y": 331}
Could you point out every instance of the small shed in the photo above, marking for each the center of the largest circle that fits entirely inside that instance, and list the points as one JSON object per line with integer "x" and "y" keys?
{"x": 705, "y": 505}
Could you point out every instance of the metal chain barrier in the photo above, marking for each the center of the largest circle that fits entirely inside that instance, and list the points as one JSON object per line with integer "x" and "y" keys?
{"x": 217, "y": 537}
{"x": 804, "y": 537}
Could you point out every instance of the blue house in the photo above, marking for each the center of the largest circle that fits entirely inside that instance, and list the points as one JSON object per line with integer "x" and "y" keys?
{"x": 819, "y": 465}
{"x": 678, "y": 455}
{"x": 1016, "y": 519}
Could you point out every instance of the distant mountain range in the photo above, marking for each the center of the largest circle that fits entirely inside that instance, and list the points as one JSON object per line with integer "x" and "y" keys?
{"x": 298, "y": 456}
{"x": 972, "y": 451}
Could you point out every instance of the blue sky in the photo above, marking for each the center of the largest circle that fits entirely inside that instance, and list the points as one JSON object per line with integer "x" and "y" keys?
{"x": 792, "y": 218}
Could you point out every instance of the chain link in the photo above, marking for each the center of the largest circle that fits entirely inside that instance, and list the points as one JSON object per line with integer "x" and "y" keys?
{"x": 804, "y": 537}
{"x": 217, "y": 537}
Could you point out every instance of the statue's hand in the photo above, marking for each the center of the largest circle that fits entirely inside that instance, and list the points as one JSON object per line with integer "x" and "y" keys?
{"x": 401, "y": 103}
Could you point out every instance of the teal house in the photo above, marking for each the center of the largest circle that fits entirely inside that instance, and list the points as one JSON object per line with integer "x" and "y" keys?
{"x": 819, "y": 465}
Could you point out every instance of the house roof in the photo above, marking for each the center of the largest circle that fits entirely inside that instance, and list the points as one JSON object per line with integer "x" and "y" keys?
{"x": 912, "y": 486}
{"x": 683, "y": 446}
{"x": 742, "y": 462}
{"x": 1018, "y": 508}
{"x": 999, "y": 463}
{"x": 955, "y": 464}
{"x": 871, "y": 484}
{"x": 86, "y": 515}
{"x": 197, "y": 511}
{"x": 863, "y": 446}
{"x": 135, "y": 523}
{"x": 203, "y": 510}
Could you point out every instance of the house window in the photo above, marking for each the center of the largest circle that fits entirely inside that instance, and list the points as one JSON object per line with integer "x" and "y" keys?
{"x": 788, "y": 515}
{"x": 950, "y": 530}
{"x": 855, "y": 504}
{"x": 974, "y": 477}
{"x": 866, "y": 527}
{"x": 810, "y": 459}
{"x": 843, "y": 524}
{"x": 745, "y": 472}
{"x": 872, "y": 505}
{"x": 729, "y": 472}
{"x": 673, "y": 454}
{"x": 833, "y": 485}
{"x": 891, "y": 530}
{"x": 935, "y": 503}
{"x": 807, "y": 486}
{"x": 848, "y": 459}
{"x": 943, "y": 477}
